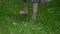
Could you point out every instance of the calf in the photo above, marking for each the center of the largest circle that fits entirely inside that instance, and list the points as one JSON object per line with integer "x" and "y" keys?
{"x": 35, "y": 7}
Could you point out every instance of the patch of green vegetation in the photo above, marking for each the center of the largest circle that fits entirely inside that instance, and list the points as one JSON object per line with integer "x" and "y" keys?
{"x": 12, "y": 22}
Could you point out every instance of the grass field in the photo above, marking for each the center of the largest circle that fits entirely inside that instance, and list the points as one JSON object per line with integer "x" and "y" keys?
{"x": 12, "y": 22}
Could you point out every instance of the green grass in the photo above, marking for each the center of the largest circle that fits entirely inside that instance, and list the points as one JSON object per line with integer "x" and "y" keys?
{"x": 11, "y": 22}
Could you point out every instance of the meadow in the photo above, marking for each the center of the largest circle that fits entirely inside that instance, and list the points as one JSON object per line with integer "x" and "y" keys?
{"x": 12, "y": 22}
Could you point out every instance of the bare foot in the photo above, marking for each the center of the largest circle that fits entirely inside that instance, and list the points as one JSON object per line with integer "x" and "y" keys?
{"x": 23, "y": 12}
{"x": 33, "y": 17}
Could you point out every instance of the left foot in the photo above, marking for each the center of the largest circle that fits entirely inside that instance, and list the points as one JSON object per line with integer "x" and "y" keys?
{"x": 33, "y": 17}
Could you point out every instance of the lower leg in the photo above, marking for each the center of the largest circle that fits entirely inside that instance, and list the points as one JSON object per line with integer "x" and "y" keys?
{"x": 35, "y": 9}
{"x": 25, "y": 10}
{"x": 25, "y": 4}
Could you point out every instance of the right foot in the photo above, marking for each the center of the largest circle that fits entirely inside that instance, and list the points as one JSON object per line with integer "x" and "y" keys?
{"x": 23, "y": 12}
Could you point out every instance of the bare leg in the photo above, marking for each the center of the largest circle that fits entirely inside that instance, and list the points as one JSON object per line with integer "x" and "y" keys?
{"x": 25, "y": 10}
{"x": 35, "y": 8}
